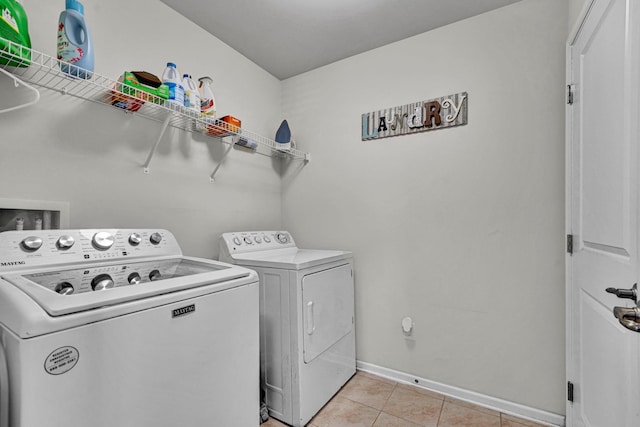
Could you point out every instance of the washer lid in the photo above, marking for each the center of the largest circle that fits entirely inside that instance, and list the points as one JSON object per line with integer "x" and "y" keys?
{"x": 290, "y": 258}
{"x": 86, "y": 287}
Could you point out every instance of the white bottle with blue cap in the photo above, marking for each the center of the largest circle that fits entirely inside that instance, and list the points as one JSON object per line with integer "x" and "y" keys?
{"x": 75, "y": 47}
{"x": 171, "y": 77}
{"x": 191, "y": 94}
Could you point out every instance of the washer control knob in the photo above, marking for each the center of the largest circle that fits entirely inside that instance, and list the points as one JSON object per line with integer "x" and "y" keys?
{"x": 134, "y": 279}
{"x": 64, "y": 288}
{"x": 257, "y": 239}
{"x": 267, "y": 239}
{"x": 31, "y": 243}
{"x": 135, "y": 239}
{"x": 103, "y": 240}
{"x": 155, "y": 275}
{"x": 237, "y": 241}
{"x": 247, "y": 240}
{"x": 102, "y": 282}
{"x": 282, "y": 238}
{"x": 65, "y": 242}
{"x": 156, "y": 238}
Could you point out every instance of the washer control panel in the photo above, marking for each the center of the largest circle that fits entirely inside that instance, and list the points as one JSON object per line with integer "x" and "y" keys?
{"x": 251, "y": 241}
{"x": 102, "y": 277}
{"x": 35, "y": 248}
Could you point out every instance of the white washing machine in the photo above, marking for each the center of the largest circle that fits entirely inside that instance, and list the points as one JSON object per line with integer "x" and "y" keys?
{"x": 109, "y": 328}
{"x": 307, "y": 331}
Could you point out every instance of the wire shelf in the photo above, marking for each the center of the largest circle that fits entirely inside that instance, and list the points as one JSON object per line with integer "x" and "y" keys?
{"x": 41, "y": 70}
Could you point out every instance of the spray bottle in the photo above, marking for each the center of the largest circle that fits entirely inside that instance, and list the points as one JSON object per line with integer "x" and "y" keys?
{"x": 207, "y": 105}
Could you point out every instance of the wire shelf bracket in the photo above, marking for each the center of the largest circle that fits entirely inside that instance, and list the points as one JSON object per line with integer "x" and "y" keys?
{"x": 231, "y": 140}
{"x": 165, "y": 124}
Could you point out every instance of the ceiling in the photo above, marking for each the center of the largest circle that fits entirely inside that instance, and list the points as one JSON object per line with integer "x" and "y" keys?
{"x": 289, "y": 37}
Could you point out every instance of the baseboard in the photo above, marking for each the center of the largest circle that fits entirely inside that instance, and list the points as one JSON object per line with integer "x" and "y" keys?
{"x": 504, "y": 406}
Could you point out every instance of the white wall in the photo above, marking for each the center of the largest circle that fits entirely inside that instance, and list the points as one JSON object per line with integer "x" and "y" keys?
{"x": 66, "y": 149}
{"x": 463, "y": 228}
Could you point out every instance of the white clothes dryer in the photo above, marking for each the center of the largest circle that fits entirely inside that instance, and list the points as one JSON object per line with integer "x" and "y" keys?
{"x": 307, "y": 321}
{"x": 116, "y": 327}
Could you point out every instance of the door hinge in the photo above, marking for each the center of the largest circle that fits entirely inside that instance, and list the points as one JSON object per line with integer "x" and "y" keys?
{"x": 570, "y": 391}
{"x": 570, "y": 244}
{"x": 570, "y": 94}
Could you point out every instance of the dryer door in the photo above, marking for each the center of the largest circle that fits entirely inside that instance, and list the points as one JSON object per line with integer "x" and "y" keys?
{"x": 328, "y": 305}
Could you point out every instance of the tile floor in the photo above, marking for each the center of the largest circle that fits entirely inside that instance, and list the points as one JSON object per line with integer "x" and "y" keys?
{"x": 371, "y": 401}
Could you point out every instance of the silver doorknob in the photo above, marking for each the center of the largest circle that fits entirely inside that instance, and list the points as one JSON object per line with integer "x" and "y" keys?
{"x": 628, "y": 317}
{"x": 625, "y": 293}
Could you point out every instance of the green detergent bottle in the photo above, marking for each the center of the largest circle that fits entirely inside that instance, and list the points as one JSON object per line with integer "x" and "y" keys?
{"x": 15, "y": 44}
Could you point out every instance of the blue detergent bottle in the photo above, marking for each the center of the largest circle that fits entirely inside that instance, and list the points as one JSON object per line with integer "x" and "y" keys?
{"x": 74, "y": 42}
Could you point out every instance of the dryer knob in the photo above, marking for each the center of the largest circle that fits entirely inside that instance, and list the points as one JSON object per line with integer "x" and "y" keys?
{"x": 267, "y": 239}
{"x": 101, "y": 282}
{"x": 135, "y": 239}
{"x": 282, "y": 238}
{"x": 64, "y": 288}
{"x": 103, "y": 240}
{"x": 65, "y": 242}
{"x": 134, "y": 279}
{"x": 156, "y": 238}
{"x": 31, "y": 243}
{"x": 247, "y": 240}
{"x": 258, "y": 239}
{"x": 237, "y": 241}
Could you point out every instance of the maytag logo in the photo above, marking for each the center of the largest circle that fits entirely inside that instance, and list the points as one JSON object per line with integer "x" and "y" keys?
{"x": 183, "y": 310}
{"x": 11, "y": 263}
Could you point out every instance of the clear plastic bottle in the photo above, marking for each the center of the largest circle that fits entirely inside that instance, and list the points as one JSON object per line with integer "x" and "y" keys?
{"x": 171, "y": 77}
{"x": 191, "y": 94}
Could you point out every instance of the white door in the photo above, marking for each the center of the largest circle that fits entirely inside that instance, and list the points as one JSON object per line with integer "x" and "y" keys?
{"x": 603, "y": 356}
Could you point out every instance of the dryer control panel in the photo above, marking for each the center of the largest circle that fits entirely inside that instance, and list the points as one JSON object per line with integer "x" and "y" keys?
{"x": 252, "y": 241}
{"x": 36, "y": 248}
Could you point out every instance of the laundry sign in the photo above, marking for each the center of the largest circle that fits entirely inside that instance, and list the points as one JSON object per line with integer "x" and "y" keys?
{"x": 438, "y": 113}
